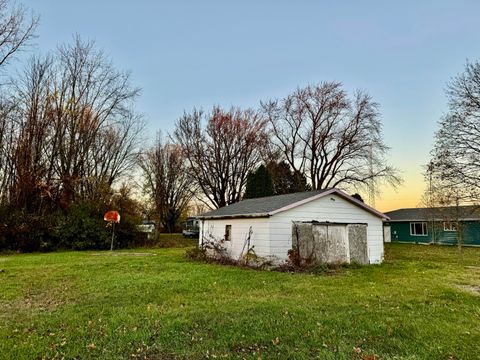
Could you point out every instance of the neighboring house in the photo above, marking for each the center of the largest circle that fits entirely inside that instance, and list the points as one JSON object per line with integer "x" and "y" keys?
{"x": 441, "y": 225}
{"x": 147, "y": 227}
{"x": 268, "y": 223}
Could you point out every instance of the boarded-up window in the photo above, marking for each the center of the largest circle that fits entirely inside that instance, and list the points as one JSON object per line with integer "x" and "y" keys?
{"x": 228, "y": 232}
{"x": 418, "y": 228}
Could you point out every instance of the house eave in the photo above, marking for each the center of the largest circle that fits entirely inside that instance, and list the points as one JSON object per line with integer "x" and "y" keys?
{"x": 234, "y": 216}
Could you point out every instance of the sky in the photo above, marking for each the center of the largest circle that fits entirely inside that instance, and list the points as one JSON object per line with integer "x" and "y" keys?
{"x": 186, "y": 54}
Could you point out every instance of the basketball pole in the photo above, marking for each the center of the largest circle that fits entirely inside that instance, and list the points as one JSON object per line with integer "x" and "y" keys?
{"x": 113, "y": 235}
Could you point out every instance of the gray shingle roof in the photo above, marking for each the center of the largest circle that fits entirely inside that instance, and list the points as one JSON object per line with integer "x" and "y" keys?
{"x": 471, "y": 212}
{"x": 260, "y": 206}
{"x": 268, "y": 206}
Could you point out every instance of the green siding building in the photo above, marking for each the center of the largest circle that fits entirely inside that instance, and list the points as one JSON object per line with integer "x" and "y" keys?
{"x": 446, "y": 225}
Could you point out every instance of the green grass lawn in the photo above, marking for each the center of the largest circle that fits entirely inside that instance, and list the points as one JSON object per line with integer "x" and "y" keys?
{"x": 422, "y": 303}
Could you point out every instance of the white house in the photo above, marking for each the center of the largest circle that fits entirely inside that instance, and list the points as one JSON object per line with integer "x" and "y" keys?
{"x": 267, "y": 223}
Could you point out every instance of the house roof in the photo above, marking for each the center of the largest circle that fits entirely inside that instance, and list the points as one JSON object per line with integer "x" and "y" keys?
{"x": 470, "y": 212}
{"x": 271, "y": 205}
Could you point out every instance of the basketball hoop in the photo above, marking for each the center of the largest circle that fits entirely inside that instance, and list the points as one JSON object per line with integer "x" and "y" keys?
{"x": 112, "y": 217}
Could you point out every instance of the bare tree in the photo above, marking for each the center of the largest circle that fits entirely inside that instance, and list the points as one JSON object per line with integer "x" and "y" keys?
{"x": 221, "y": 154}
{"x": 113, "y": 154}
{"x": 95, "y": 127}
{"x": 456, "y": 153}
{"x": 16, "y": 29}
{"x": 72, "y": 131}
{"x": 447, "y": 202}
{"x": 7, "y": 145}
{"x": 29, "y": 153}
{"x": 332, "y": 139}
{"x": 167, "y": 181}
{"x": 440, "y": 204}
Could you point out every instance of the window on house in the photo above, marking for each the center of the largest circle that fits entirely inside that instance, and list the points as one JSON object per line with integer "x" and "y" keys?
{"x": 418, "y": 229}
{"x": 449, "y": 226}
{"x": 228, "y": 232}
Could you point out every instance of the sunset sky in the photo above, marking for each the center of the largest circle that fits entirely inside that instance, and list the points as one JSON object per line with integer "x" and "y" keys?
{"x": 186, "y": 54}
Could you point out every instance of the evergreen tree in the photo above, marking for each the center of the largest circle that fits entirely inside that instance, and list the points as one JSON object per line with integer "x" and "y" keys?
{"x": 299, "y": 182}
{"x": 358, "y": 197}
{"x": 286, "y": 181}
{"x": 259, "y": 184}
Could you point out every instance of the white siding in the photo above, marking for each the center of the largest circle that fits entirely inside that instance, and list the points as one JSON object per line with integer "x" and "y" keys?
{"x": 240, "y": 229}
{"x": 330, "y": 208}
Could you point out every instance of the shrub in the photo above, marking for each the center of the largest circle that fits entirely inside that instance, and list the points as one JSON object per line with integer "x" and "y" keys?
{"x": 20, "y": 231}
{"x": 197, "y": 254}
{"x": 78, "y": 225}
{"x": 83, "y": 228}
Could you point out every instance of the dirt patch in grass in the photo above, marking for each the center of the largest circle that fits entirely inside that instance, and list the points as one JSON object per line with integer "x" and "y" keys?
{"x": 474, "y": 268}
{"x": 36, "y": 302}
{"x": 40, "y": 297}
{"x": 473, "y": 289}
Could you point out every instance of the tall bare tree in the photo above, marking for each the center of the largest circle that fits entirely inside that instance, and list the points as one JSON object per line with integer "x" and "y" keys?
{"x": 31, "y": 165}
{"x": 454, "y": 170}
{"x": 73, "y": 131}
{"x": 96, "y": 130}
{"x": 17, "y": 29}
{"x": 167, "y": 181}
{"x": 456, "y": 153}
{"x": 333, "y": 139}
{"x": 221, "y": 154}
{"x": 7, "y": 145}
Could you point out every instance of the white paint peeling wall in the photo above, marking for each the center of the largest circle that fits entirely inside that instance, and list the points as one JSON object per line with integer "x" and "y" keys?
{"x": 273, "y": 236}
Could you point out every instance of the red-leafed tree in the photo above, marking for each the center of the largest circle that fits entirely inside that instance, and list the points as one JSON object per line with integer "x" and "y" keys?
{"x": 221, "y": 153}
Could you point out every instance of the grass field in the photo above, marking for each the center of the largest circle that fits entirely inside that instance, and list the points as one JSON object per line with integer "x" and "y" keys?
{"x": 422, "y": 303}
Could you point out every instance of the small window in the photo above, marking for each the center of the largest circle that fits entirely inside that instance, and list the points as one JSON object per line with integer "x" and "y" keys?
{"x": 449, "y": 226}
{"x": 228, "y": 232}
{"x": 418, "y": 229}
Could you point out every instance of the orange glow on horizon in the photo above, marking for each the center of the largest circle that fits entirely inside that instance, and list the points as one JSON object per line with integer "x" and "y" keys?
{"x": 408, "y": 195}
